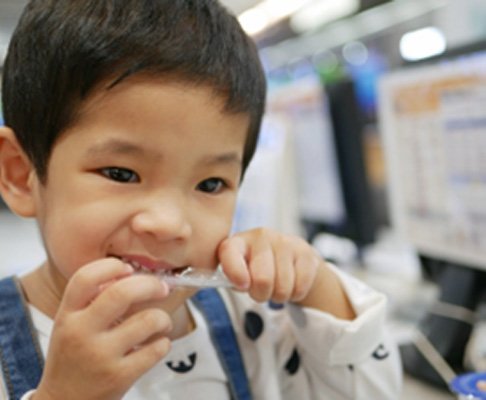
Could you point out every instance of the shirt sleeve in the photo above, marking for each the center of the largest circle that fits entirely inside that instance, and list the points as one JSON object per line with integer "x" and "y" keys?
{"x": 339, "y": 337}
{"x": 354, "y": 359}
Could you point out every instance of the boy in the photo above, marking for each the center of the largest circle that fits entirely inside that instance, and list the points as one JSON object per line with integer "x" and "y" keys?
{"x": 129, "y": 125}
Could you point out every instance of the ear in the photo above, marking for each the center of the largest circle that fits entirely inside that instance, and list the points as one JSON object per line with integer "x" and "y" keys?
{"x": 16, "y": 175}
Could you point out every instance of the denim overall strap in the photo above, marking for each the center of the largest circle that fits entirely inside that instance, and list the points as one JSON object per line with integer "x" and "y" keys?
{"x": 210, "y": 303}
{"x": 20, "y": 355}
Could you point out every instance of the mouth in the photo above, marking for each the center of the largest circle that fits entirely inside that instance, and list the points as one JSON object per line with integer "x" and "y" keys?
{"x": 146, "y": 266}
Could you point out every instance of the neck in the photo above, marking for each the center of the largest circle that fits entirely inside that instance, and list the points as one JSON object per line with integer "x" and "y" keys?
{"x": 41, "y": 289}
{"x": 183, "y": 323}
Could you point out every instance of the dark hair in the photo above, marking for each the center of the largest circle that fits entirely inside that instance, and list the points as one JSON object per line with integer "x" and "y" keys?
{"x": 62, "y": 49}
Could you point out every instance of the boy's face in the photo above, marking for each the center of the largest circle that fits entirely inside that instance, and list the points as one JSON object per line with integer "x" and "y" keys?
{"x": 149, "y": 173}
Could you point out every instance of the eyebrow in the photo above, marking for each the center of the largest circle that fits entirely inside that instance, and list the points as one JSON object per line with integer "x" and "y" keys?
{"x": 225, "y": 158}
{"x": 116, "y": 146}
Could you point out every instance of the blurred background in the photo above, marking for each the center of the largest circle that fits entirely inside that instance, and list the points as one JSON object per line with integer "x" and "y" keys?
{"x": 374, "y": 149}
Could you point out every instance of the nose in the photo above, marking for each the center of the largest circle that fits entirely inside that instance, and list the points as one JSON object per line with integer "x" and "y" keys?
{"x": 163, "y": 216}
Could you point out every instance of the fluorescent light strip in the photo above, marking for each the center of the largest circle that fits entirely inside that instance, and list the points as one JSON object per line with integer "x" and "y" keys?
{"x": 318, "y": 13}
{"x": 268, "y": 13}
{"x": 422, "y": 43}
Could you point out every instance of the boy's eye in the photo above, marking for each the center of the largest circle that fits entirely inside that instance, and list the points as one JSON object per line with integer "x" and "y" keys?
{"x": 211, "y": 185}
{"x": 120, "y": 174}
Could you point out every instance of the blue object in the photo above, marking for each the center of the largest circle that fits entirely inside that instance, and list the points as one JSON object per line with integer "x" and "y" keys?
{"x": 20, "y": 355}
{"x": 210, "y": 303}
{"x": 22, "y": 361}
{"x": 467, "y": 385}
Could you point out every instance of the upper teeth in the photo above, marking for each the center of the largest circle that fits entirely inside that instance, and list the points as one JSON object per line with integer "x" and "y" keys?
{"x": 136, "y": 265}
{"x": 140, "y": 267}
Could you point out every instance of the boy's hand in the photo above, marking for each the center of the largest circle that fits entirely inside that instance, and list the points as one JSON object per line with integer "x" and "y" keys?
{"x": 92, "y": 355}
{"x": 270, "y": 265}
{"x": 282, "y": 268}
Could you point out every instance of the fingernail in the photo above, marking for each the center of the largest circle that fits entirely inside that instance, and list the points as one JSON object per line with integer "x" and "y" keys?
{"x": 166, "y": 286}
{"x": 243, "y": 285}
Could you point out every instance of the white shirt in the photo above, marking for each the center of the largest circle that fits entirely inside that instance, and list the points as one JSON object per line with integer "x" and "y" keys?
{"x": 293, "y": 353}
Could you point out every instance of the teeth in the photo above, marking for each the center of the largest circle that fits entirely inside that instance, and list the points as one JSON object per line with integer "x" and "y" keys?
{"x": 136, "y": 265}
{"x": 140, "y": 267}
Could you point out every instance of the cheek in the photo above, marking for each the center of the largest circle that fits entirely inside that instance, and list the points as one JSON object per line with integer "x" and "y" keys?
{"x": 73, "y": 237}
{"x": 209, "y": 237}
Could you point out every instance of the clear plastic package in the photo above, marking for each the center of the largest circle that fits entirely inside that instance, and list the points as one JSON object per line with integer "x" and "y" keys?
{"x": 196, "y": 278}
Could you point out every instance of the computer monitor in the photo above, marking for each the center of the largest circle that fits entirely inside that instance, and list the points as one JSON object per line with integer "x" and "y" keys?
{"x": 299, "y": 103}
{"x": 433, "y": 122}
{"x": 433, "y": 125}
{"x": 326, "y": 129}
{"x": 348, "y": 126}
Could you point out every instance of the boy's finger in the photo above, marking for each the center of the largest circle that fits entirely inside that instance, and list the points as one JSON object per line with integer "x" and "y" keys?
{"x": 140, "y": 328}
{"x": 85, "y": 284}
{"x": 305, "y": 273}
{"x": 146, "y": 356}
{"x": 262, "y": 270}
{"x": 232, "y": 254}
{"x": 284, "y": 275}
{"x": 117, "y": 299}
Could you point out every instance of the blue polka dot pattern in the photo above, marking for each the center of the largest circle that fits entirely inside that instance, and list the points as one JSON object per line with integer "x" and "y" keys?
{"x": 275, "y": 306}
{"x": 253, "y": 325}
{"x": 293, "y": 363}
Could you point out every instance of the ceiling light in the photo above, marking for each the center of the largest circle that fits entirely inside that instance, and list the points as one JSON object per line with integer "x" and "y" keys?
{"x": 422, "y": 43}
{"x": 267, "y": 13}
{"x": 318, "y": 13}
{"x": 254, "y": 21}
